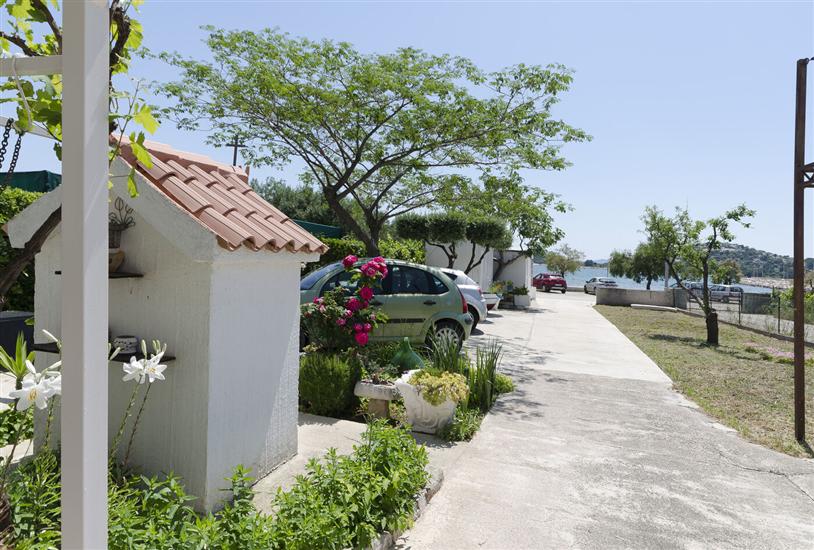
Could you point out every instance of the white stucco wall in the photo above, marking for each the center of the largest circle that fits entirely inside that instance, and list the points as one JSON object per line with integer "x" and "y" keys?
{"x": 254, "y": 330}
{"x": 482, "y": 274}
{"x": 232, "y": 321}
{"x": 519, "y": 271}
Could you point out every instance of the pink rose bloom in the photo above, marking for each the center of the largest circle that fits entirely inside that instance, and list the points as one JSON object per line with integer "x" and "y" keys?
{"x": 322, "y": 309}
{"x": 365, "y": 304}
{"x": 378, "y": 260}
{"x": 383, "y": 271}
{"x": 349, "y": 261}
{"x": 366, "y": 293}
{"x": 358, "y": 327}
{"x": 341, "y": 322}
{"x": 372, "y": 316}
{"x": 368, "y": 327}
{"x": 353, "y": 304}
{"x": 361, "y": 338}
{"x": 317, "y": 300}
{"x": 370, "y": 271}
{"x": 347, "y": 313}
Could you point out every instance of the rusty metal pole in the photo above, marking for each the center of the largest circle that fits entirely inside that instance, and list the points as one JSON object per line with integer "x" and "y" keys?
{"x": 799, "y": 252}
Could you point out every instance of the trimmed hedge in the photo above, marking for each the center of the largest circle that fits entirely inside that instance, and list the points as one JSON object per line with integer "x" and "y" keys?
{"x": 396, "y": 249}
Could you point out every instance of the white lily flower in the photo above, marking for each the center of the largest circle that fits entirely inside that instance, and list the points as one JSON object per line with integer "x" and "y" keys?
{"x": 134, "y": 370}
{"x": 54, "y": 385}
{"x": 33, "y": 392}
{"x": 29, "y": 366}
{"x": 153, "y": 370}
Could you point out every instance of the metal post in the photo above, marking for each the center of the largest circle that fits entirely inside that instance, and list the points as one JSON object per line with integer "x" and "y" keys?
{"x": 84, "y": 279}
{"x": 799, "y": 252}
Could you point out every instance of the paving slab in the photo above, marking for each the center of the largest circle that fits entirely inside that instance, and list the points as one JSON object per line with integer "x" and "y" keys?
{"x": 596, "y": 450}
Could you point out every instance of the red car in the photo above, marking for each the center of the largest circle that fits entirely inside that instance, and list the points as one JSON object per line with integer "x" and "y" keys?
{"x": 549, "y": 282}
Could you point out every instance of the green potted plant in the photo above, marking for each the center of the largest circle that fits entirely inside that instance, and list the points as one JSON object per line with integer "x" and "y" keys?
{"x": 430, "y": 398}
{"x": 521, "y": 297}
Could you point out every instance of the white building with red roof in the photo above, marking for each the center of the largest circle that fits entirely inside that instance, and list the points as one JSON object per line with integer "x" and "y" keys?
{"x": 213, "y": 270}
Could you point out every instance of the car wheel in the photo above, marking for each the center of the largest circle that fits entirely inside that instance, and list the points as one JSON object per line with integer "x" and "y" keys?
{"x": 447, "y": 330}
{"x": 548, "y": 289}
{"x": 476, "y": 318}
{"x": 563, "y": 290}
{"x": 586, "y": 289}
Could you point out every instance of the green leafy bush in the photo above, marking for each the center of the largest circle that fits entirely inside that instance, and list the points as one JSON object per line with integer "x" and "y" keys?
{"x": 464, "y": 426}
{"x": 344, "y": 501}
{"x": 439, "y": 386}
{"x": 16, "y": 426}
{"x": 340, "y": 502}
{"x": 327, "y": 382}
{"x": 393, "y": 249}
{"x": 520, "y": 291}
{"x": 12, "y": 202}
{"x": 503, "y": 384}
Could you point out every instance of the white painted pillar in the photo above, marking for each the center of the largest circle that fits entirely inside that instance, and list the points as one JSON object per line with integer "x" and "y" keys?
{"x": 84, "y": 274}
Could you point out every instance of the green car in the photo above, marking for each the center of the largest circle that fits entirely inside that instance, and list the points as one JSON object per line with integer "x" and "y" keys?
{"x": 419, "y": 301}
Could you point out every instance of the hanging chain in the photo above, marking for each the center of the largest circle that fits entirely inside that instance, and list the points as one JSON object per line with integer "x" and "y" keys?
{"x": 14, "y": 156}
{"x": 4, "y": 144}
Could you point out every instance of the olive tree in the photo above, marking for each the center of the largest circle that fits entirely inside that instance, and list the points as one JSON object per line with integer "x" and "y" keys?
{"x": 381, "y": 131}
{"x": 564, "y": 260}
{"x": 687, "y": 245}
{"x": 642, "y": 265}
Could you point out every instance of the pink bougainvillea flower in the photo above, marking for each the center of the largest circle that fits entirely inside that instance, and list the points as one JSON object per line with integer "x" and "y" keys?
{"x": 349, "y": 261}
{"x": 358, "y": 327}
{"x": 366, "y": 293}
{"x": 361, "y": 338}
{"x": 368, "y": 327}
{"x": 353, "y": 304}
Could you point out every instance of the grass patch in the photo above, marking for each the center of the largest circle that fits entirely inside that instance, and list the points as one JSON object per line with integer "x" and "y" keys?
{"x": 751, "y": 392}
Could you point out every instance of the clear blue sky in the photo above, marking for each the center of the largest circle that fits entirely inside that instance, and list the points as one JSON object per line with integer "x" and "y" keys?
{"x": 689, "y": 103}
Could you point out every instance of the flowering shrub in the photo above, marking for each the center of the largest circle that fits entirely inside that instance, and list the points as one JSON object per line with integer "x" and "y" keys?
{"x": 340, "y": 320}
{"x": 440, "y": 387}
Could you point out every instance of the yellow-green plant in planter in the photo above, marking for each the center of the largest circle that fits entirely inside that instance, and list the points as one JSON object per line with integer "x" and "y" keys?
{"x": 440, "y": 387}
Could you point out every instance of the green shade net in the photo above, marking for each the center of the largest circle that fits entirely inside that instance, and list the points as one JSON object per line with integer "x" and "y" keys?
{"x": 321, "y": 230}
{"x": 41, "y": 181}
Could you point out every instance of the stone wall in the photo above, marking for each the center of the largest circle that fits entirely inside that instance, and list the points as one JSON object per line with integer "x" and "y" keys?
{"x": 628, "y": 296}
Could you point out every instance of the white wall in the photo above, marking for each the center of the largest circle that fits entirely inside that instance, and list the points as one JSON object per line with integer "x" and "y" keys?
{"x": 519, "y": 271}
{"x": 231, "y": 396}
{"x": 482, "y": 274}
{"x": 253, "y": 386}
{"x": 170, "y": 303}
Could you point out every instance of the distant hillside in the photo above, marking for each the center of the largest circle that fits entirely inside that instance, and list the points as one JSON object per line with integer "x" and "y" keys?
{"x": 759, "y": 263}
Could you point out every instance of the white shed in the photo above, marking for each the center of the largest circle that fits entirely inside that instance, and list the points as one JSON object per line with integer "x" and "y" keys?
{"x": 213, "y": 270}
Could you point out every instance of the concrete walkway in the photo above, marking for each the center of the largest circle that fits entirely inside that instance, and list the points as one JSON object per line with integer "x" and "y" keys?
{"x": 595, "y": 450}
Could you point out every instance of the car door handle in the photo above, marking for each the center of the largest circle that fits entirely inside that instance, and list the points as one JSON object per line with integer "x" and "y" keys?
{"x": 375, "y": 303}
{"x": 429, "y": 302}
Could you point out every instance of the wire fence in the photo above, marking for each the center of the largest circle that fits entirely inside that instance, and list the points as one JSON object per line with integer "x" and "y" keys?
{"x": 769, "y": 312}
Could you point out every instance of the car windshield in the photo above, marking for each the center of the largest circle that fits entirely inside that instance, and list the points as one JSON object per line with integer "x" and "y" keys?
{"x": 308, "y": 282}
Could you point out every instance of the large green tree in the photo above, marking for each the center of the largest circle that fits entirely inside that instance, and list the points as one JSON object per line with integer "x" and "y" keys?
{"x": 31, "y": 28}
{"x": 380, "y": 130}
{"x": 642, "y": 265}
{"x": 301, "y": 203}
{"x": 687, "y": 245}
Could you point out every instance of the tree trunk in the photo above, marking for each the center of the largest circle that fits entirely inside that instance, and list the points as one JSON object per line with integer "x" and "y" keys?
{"x": 712, "y": 328}
{"x": 10, "y": 274}
{"x": 452, "y": 255}
{"x": 648, "y": 283}
{"x": 350, "y": 223}
{"x": 501, "y": 264}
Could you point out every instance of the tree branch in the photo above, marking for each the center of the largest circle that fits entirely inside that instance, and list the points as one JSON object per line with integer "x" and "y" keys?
{"x": 20, "y": 43}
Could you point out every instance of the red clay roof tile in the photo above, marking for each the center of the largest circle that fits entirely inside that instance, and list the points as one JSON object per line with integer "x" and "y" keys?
{"x": 220, "y": 198}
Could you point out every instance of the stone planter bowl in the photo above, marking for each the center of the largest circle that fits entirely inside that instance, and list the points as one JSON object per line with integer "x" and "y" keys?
{"x": 424, "y": 417}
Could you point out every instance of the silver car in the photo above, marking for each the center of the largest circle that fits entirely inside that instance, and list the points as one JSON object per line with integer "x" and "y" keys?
{"x": 598, "y": 282}
{"x": 472, "y": 292}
